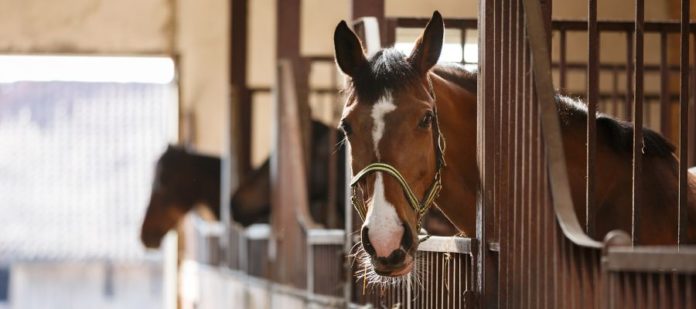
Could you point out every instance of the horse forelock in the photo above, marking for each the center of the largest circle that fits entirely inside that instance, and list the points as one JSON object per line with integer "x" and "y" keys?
{"x": 388, "y": 71}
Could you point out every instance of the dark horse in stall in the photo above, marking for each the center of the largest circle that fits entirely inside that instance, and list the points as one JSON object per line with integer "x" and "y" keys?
{"x": 184, "y": 179}
{"x": 399, "y": 108}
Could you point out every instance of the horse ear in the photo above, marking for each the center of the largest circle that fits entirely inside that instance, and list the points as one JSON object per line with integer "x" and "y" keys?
{"x": 349, "y": 51}
{"x": 427, "y": 49}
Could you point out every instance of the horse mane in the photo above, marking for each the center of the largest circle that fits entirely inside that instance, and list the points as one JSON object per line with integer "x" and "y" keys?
{"x": 455, "y": 72}
{"x": 174, "y": 154}
{"x": 618, "y": 133}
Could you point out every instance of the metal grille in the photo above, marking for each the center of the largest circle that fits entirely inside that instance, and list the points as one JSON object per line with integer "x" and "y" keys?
{"x": 652, "y": 290}
{"x": 256, "y": 255}
{"x": 328, "y": 269}
{"x": 526, "y": 260}
{"x": 637, "y": 279}
{"x": 235, "y": 239}
{"x": 444, "y": 279}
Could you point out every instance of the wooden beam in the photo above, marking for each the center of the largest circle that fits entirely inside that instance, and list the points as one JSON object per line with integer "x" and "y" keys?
{"x": 241, "y": 108}
{"x": 288, "y": 38}
{"x": 372, "y": 8}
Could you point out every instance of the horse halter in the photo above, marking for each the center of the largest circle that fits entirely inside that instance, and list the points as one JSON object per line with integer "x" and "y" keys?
{"x": 420, "y": 206}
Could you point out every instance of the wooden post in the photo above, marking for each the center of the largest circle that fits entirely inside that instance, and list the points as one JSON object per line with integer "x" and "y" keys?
{"x": 241, "y": 109}
{"x": 370, "y": 8}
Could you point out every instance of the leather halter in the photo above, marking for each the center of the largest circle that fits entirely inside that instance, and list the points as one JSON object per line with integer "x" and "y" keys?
{"x": 420, "y": 206}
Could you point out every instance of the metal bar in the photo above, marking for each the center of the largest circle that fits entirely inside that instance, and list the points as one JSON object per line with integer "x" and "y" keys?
{"x": 647, "y": 68}
{"x": 512, "y": 293}
{"x": 689, "y": 291}
{"x": 615, "y": 93}
{"x": 446, "y": 245}
{"x": 662, "y": 293}
{"x": 462, "y": 38}
{"x": 563, "y": 78}
{"x": 676, "y": 300}
{"x": 637, "y": 120}
{"x": 650, "y": 294}
{"x": 238, "y": 80}
{"x": 652, "y": 259}
{"x": 592, "y": 89}
{"x": 622, "y": 26}
{"x": 629, "y": 75}
{"x": 683, "y": 121}
{"x": 557, "y": 24}
{"x": 486, "y": 284}
{"x": 692, "y": 121}
{"x": 665, "y": 103}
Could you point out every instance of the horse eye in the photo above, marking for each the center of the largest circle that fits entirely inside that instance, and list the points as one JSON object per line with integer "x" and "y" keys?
{"x": 346, "y": 128}
{"x": 426, "y": 121}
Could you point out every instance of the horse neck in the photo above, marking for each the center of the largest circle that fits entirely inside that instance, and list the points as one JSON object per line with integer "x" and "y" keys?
{"x": 209, "y": 182}
{"x": 456, "y": 109}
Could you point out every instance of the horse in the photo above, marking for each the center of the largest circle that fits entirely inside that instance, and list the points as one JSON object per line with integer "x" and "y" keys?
{"x": 251, "y": 202}
{"x": 182, "y": 180}
{"x": 400, "y": 109}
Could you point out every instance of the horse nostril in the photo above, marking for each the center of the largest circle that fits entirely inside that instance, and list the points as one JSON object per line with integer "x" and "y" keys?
{"x": 366, "y": 242}
{"x": 406, "y": 239}
{"x": 396, "y": 257}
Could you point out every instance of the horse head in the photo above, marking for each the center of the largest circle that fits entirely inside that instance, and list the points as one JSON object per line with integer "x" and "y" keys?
{"x": 390, "y": 121}
{"x": 182, "y": 179}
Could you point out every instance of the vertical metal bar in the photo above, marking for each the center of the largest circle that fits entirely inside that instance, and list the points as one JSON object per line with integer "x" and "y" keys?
{"x": 462, "y": 38}
{"x": 637, "y": 120}
{"x": 640, "y": 293}
{"x": 503, "y": 174}
{"x": 650, "y": 280}
{"x": 629, "y": 76}
{"x": 238, "y": 81}
{"x": 562, "y": 71}
{"x": 683, "y": 118}
{"x": 615, "y": 93}
{"x": 486, "y": 284}
{"x": 662, "y": 291}
{"x": 689, "y": 291}
{"x": 592, "y": 94}
{"x": 628, "y": 299}
{"x": 676, "y": 300}
{"x": 692, "y": 121}
{"x": 665, "y": 99}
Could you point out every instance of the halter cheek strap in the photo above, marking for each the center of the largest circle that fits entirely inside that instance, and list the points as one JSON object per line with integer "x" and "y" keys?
{"x": 420, "y": 206}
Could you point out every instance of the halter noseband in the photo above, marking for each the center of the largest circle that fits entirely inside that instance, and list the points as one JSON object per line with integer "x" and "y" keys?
{"x": 420, "y": 206}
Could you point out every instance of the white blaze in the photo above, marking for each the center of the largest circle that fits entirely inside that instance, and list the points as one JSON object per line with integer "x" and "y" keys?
{"x": 379, "y": 110}
{"x": 384, "y": 226}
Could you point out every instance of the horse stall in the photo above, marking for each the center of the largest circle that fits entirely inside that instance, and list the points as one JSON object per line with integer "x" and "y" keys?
{"x": 539, "y": 240}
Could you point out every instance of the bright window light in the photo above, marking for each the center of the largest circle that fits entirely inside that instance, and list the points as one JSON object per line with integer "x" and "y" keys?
{"x": 451, "y": 52}
{"x": 152, "y": 70}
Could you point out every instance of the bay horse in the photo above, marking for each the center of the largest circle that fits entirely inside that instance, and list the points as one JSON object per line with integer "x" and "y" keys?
{"x": 183, "y": 179}
{"x": 400, "y": 109}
